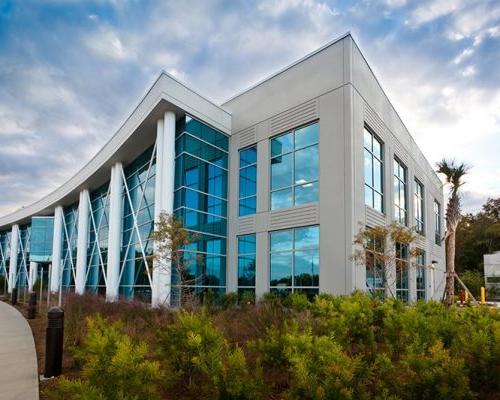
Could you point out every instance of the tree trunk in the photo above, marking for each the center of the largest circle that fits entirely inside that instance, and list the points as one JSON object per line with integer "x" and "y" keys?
{"x": 450, "y": 267}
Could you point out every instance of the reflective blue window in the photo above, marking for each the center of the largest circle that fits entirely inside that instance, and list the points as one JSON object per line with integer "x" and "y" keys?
{"x": 69, "y": 234}
{"x": 294, "y": 167}
{"x": 97, "y": 252}
{"x": 375, "y": 271}
{"x": 248, "y": 182}
{"x": 137, "y": 248}
{"x": 294, "y": 260}
{"x": 402, "y": 266}
{"x": 400, "y": 194}
{"x": 42, "y": 234}
{"x": 4, "y": 253}
{"x": 420, "y": 284}
{"x": 200, "y": 201}
{"x": 23, "y": 255}
{"x": 419, "y": 207}
{"x": 246, "y": 261}
{"x": 373, "y": 170}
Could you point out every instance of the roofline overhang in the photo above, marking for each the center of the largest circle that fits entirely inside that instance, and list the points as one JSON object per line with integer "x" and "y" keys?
{"x": 135, "y": 135}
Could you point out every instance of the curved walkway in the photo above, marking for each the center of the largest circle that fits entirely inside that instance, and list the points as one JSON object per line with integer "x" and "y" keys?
{"x": 18, "y": 364}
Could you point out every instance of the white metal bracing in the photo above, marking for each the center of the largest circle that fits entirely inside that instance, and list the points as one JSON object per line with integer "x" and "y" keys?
{"x": 69, "y": 238}
{"x": 134, "y": 212}
{"x": 24, "y": 255}
{"x": 97, "y": 229}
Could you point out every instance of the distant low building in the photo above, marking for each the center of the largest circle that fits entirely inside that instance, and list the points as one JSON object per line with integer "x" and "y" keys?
{"x": 492, "y": 274}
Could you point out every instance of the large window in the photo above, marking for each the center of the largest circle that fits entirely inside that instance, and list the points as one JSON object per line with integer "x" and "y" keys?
{"x": 200, "y": 200}
{"x": 294, "y": 167}
{"x": 375, "y": 271}
{"x": 138, "y": 225}
{"x": 437, "y": 222}
{"x": 295, "y": 260}
{"x": 42, "y": 233}
{"x": 400, "y": 183}
{"x": 374, "y": 175}
{"x": 420, "y": 284}
{"x": 419, "y": 207}
{"x": 402, "y": 264}
{"x": 248, "y": 182}
{"x": 69, "y": 245}
{"x": 246, "y": 264}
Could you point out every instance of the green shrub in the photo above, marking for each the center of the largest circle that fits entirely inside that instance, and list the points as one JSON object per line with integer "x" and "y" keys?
{"x": 297, "y": 301}
{"x": 229, "y": 300}
{"x": 247, "y": 298}
{"x": 113, "y": 367}
{"x": 196, "y": 353}
{"x": 319, "y": 368}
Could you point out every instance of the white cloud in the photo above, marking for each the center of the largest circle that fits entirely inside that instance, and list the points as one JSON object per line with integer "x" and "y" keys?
{"x": 469, "y": 71}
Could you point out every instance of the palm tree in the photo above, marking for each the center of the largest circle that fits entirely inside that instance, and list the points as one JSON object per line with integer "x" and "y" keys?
{"x": 454, "y": 174}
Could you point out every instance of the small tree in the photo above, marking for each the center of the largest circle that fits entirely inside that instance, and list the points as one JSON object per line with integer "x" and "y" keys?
{"x": 454, "y": 174}
{"x": 377, "y": 250}
{"x": 171, "y": 239}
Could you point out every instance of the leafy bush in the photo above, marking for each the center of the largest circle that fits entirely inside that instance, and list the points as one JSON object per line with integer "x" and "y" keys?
{"x": 297, "y": 301}
{"x": 194, "y": 352}
{"x": 113, "y": 367}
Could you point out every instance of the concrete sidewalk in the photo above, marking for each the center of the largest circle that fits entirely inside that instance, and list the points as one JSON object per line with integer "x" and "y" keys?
{"x": 18, "y": 364}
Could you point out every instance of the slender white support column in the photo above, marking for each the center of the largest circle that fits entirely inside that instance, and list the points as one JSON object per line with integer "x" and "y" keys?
{"x": 14, "y": 248}
{"x": 33, "y": 275}
{"x": 57, "y": 249}
{"x": 82, "y": 242}
{"x": 164, "y": 201}
{"x": 114, "y": 233}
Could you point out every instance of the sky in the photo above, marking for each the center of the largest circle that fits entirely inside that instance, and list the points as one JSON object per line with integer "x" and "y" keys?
{"x": 72, "y": 71}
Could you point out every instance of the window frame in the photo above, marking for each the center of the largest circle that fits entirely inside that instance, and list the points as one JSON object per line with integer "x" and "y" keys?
{"x": 402, "y": 272}
{"x": 292, "y": 288}
{"x": 294, "y": 185}
{"x": 366, "y": 187}
{"x": 374, "y": 248}
{"x": 419, "y": 223}
{"x": 420, "y": 272}
{"x": 254, "y": 254}
{"x": 240, "y": 169}
{"x": 437, "y": 223}
{"x": 397, "y": 179}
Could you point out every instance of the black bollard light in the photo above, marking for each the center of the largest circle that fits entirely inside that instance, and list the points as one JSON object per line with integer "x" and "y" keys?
{"x": 54, "y": 342}
{"x": 32, "y": 306}
{"x": 13, "y": 299}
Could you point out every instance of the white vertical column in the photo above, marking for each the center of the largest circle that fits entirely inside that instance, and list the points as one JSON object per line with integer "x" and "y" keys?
{"x": 82, "y": 242}
{"x": 14, "y": 247}
{"x": 412, "y": 281}
{"x": 57, "y": 249}
{"x": 33, "y": 275}
{"x": 164, "y": 201}
{"x": 114, "y": 233}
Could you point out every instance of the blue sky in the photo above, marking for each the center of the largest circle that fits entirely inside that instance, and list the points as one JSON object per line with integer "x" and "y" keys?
{"x": 72, "y": 71}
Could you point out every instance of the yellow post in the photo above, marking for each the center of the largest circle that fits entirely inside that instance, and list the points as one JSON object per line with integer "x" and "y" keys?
{"x": 466, "y": 296}
{"x": 483, "y": 295}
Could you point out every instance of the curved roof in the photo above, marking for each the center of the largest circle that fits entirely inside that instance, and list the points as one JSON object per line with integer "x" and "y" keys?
{"x": 136, "y": 134}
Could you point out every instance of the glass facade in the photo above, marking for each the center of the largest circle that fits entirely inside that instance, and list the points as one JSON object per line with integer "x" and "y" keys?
{"x": 420, "y": 284}
{"x": 23, "y": 255}
{"x": 402, "y": 264}
{"x": 400, "y": 194}
{"x": 294, "y": 260}
{"x": 419, "y": 207}
{"x": 246, "y": 263}
{"x": 437, "y": 223}
{"x": 248, "y": 182}
{"x": 137, "y": 247}
{"x": 70, "y": 235}
{"x": 4, "y": 253}
{"x": 373, "y": 170}
{"x": 294, "y": 167}
{"x": 375, "y": 267}
{"x": 42, "y": 234}
{"x": 97, "y": 252}
{"x": 200, "y": 201}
